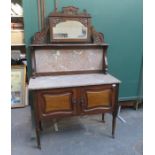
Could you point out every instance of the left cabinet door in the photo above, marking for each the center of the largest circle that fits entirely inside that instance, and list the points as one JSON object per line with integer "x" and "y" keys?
{"x": 57, "y": 102}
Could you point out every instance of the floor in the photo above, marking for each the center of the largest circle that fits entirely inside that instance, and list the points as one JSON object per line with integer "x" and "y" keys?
{"x": 85, "y": 135}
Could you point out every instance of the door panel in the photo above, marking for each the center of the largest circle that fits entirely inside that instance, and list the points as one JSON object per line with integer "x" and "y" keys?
{"x": 98, "y": 98}
{"x": 56, "y": 102}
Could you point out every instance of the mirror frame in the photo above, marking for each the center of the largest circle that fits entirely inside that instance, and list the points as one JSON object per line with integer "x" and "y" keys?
{"x": 70, "y": 14}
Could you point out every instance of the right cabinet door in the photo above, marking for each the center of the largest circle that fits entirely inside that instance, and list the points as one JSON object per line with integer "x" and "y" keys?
{"x": 96, "y": 99}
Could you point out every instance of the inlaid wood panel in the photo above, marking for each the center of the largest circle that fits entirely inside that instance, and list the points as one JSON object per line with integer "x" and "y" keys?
{"x": 98, "y": 98}
{"x": 57, "y": 102}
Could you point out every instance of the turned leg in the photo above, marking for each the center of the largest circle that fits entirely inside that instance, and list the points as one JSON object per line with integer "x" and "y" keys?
{"x": 103, "y": 118}
{"x": 37, "y": 119}
{"x": 33, "y": 134}
{"x": 40, "y": 126}
{"x": 113, "y": 125}
{"x": 115, "y": 112}
{"x": 38, "y": 137}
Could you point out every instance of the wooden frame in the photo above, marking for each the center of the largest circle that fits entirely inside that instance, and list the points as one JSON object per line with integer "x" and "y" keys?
{"x": 71, "y": 14}
{"x": 76, "y": 26}
{"x": 35, "y": 47}
{"x": 41, "y": 14}
{"x": 18, "y": 82}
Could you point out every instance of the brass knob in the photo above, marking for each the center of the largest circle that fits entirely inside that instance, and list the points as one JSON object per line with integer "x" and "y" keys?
{"x": 82, "y": 102}
{"x": 74, "y": 101}
{"x": 113, "y": 85}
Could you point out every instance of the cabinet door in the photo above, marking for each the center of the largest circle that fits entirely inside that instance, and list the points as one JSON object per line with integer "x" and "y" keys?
{"x": 56, "y": 102}
{"x": 98, "y": 98}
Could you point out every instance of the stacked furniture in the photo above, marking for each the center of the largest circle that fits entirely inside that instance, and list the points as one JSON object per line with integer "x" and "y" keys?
{"x": 18, "y": 57}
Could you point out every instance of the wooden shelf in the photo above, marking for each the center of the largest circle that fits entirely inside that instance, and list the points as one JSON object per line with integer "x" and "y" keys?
{"x": 17, "y": 30}
{"x": 17, "y": 16}
{"x": 20, "y": 47}
{"x": 13, "y": 45}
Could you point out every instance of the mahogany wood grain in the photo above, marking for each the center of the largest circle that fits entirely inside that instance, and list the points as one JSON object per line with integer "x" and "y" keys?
{"x": 98, "y": 98}
{"x": 57, "y": 102}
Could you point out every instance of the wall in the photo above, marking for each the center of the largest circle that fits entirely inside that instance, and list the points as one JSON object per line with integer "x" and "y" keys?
{"x": 121, "y": 23}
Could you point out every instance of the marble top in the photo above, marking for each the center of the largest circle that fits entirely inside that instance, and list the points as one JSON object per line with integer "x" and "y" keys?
{"x": 63, "y": 81}
{"x": 63, "y": 60}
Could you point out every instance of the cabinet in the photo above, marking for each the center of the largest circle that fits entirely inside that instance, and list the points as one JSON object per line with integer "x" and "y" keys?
{"x": 70, "y": 70}
{"x": 74, "y": 95}
{"x": 75, "y": 101}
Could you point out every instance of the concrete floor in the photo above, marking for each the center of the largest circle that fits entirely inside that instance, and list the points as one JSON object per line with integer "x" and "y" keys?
{"x": 85, "y": 135}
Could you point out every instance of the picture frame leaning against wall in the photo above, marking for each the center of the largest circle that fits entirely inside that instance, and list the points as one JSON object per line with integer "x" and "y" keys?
{"x": 18, "y": 83}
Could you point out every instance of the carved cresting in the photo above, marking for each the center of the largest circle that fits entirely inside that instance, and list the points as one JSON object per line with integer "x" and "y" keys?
{"x": 71, "y": 13}
{"x": 70, "y": 10}
{"x": 97, "y": 37}
{"x": 41, "y": 37}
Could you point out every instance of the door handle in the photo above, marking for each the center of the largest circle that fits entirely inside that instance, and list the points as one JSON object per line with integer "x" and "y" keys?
{"x": 74, "y": 101}
{"x": 82, "y": 102}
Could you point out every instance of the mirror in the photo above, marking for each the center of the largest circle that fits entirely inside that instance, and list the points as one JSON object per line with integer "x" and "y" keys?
{"x": 70, "y": 30}
{"x": 70, "y": 26}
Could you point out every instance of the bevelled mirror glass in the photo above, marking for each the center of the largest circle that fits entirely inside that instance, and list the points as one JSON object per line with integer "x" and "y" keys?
{"x": 70, "y": 26}
{"x": 70, "y": 30}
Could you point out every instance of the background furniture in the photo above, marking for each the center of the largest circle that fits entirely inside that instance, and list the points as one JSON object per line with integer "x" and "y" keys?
{"x": 18, "y": 55}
